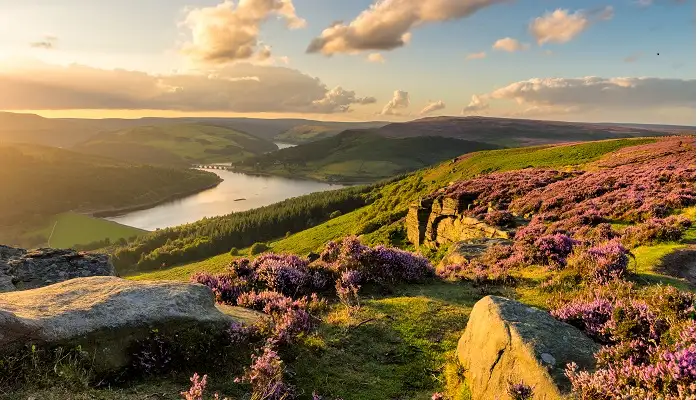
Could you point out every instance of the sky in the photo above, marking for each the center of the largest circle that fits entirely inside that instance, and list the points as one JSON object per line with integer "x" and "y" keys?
{"x": 574, "y": 60}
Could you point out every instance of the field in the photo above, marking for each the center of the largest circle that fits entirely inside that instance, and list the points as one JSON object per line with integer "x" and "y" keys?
{"x": 67, "y": 229}
{"x": 180, "y": 144}
{"x": 359, "y": 156}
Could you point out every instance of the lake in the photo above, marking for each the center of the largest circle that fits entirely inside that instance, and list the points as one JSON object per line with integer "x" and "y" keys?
{"x": 237, "y": 192}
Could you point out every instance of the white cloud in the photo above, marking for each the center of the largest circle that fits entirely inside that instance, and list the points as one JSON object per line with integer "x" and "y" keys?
{"x": 339, "y": 100}
{"x": 476, "y": 56}
{"x": 376, "y": 58}
{"x": 432, "y": 106}
{"x": 398, "y": 102}
{"x": 241, "y": 87}
{"x": 590, "y": 93}
{"x": 560, "y": 26}
{"x": 387, "y": 24}
{"x": 478, "y": 103}
{"x": 510, "y": 45}
{"x": 229, "y": 32}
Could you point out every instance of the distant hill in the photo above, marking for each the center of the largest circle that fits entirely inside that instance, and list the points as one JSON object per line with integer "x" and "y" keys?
{"x": 40, "y": 182}
{"x": 31, "y": 128}
{"x": 361, "y": 156}
{"x": 181, "y": 144}
{"x": 318, "y": 130}
{"x": 514, "y": 132}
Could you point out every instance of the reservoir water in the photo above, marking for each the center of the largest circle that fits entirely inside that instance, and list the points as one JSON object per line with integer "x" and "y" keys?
{"x": 237, "y": 192}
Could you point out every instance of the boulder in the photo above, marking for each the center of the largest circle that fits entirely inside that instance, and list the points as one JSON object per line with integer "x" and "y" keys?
{"x": 22, "y": 269}
{"x": 105, "y": 315}
{"x": 508, "y": 342}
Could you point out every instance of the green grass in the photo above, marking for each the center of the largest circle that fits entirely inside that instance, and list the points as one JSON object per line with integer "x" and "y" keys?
{"x": 176, "y": 144}
{"x": 360, "y": 156}
{"x": 400, "y": 350}
{"x": 67, "y": 229}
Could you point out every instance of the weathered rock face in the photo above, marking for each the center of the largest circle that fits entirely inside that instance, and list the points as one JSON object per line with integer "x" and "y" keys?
{"x": 438, "y": 221}
{"x": 463, "y": 251}
{"x": 104, "y": 315}
{"x": 22, "y": 269}
{"x": 507, "y": 342}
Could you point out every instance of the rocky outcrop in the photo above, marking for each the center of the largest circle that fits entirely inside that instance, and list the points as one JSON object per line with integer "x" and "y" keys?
{"x": 463, "y": 251}
{"x": 508, "y": 342}
{"x": 105, "y": 315}
{"x": 22, "y": 269}
{"x": 440, "y": 220}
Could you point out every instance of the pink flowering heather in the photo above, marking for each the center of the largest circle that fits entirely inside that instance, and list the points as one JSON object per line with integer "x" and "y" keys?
{"x": 266, "y": 376}
{"x": 609, "y": 261}
{"x": 656, "y": 230}
{"x": 196, "y": 391}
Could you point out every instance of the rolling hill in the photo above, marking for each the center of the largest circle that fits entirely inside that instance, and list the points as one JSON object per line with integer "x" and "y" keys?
{"x": 31, "y": 128}
{"x": 181, "y": 144}
{"x": 40, "y": 182}
{"x": 359, "y": 156}
{"x": 517, "y": 132}
{"x": 320, "y": 130}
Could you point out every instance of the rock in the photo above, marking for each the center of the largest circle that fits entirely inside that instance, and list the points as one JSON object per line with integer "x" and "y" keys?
{"x": 22, "y": 269}
{"x": 506, "y": 341}
{"x": 463, "y": 251}
{"x": 105, "y": 315}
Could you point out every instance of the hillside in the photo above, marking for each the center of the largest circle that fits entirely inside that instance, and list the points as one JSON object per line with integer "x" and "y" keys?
{"x": 598, "y": 237}
{"x": 359, "y": 156}
{"x": 40, "y": 182}
{"x": 318, "y": 130}
{"x": 181, "y": 144}
{"x": 515, "y": 132}
{"x": 30, "y": 128}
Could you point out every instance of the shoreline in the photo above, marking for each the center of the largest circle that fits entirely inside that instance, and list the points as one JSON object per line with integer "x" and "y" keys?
{"x": 176, "y": 196}
{"x": 303, "y": 177}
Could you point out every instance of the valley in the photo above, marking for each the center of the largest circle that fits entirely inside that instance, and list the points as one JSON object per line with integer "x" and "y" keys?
{"x": 397, "y": 263}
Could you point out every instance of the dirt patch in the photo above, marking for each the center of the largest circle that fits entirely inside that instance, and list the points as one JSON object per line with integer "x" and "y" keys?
{"x": 680, "y": 263}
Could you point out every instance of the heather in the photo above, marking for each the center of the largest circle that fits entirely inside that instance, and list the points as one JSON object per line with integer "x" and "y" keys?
{"x": 377, "y": 330}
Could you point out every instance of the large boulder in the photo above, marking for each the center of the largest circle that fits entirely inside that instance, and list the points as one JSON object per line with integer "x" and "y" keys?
{"x": 22, "y": 269}
{"x": 105, "y": 315}
{"x": 508, "y": 342}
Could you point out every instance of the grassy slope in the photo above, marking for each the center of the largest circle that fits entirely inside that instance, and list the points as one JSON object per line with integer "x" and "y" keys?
{"x": 399, "y": 345}
{"x": 81, "y": 183}
{"x": 176, "y": 144}
{"x": 68, "y": 229}
{"x": 360, "y": 156}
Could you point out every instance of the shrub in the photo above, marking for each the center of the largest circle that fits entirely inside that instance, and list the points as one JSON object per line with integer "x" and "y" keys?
{"x": 500, "y": 218}
{"x": 266, "y": 377}
{"x": 656, "y": 230}
{"x": 335, "y": 214}
{"x": 233, "y": 251}
{"x": 258, "y": 248}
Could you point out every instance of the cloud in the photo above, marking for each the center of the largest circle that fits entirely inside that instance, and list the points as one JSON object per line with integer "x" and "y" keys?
{"x": 376, "y": 58}
{"x": 339, "y": 100}
{"x": 432, "y": 106}
{"x": 241, "y": 87}
{"x": 387, "y": 24}
{"x": 476, "y": 56}
{"x": 478, "y": 103}
{"x": 399, "y": 101}
{"x": 632, "y": 57}
{"x": 591, "y": 93}
{"x": 510, "y": 45}
{"x": 48, "y": 42}
{"x": 560, "y": 26}
{"x": 229, "y": 32}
